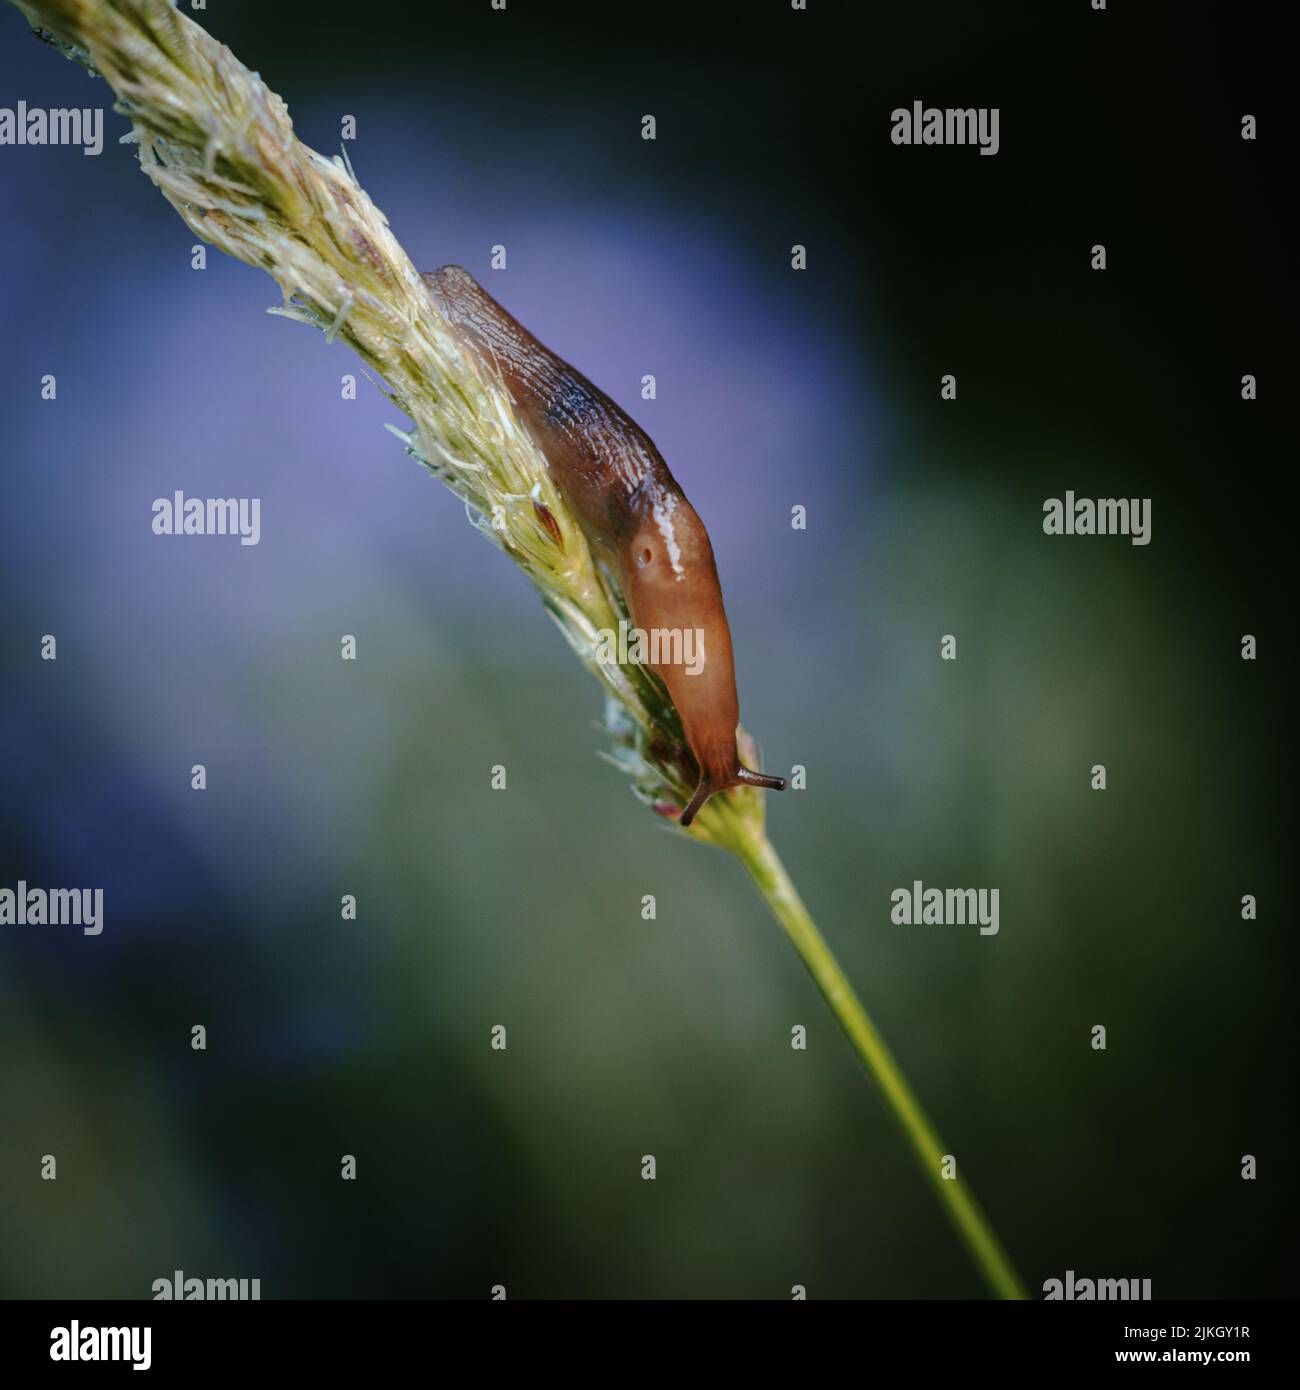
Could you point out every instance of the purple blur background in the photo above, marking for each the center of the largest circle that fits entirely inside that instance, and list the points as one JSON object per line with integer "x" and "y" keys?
{"x": 774, "y": 388}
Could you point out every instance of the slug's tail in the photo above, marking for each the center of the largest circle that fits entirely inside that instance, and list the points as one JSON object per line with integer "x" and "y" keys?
{"x": 740, "y": 776}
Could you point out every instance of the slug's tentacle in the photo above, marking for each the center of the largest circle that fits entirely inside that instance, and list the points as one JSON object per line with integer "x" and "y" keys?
{"x": 702, "y": 794}
{"x": 741, "y": 776}
{"x": 760, "y": 779}
{"x": 633, "y": 512}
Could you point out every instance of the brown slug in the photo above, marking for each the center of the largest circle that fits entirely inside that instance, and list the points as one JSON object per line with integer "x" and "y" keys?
{"x": 632, "y": 512}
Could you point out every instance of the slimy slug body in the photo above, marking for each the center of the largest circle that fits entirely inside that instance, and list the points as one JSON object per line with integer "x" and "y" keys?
{"x": 633, "y": 514}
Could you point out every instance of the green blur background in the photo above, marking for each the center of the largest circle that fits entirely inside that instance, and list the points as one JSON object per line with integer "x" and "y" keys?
{"x": 477, "y": 908}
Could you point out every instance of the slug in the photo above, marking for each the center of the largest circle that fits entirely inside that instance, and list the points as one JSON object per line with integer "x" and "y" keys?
{"x": 632, "y": 512}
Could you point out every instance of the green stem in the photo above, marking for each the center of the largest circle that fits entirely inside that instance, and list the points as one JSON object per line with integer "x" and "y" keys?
{"x": 972, "y": 1226}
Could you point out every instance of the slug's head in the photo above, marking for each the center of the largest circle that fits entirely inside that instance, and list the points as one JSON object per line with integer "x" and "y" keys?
{"x": 672, "y": 588}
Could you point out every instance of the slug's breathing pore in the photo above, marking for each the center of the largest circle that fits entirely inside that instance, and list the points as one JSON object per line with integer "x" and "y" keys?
{"x": 633, "y": 514}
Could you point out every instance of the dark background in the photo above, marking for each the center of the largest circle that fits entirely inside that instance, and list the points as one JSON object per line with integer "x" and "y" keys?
{"x": 775, "y": 388}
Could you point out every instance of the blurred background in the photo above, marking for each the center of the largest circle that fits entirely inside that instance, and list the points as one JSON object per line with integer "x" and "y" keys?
{"x": 478, "y": 908}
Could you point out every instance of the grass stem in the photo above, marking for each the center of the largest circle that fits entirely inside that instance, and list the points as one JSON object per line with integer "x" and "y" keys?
{"x": 972, "y": 1226}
